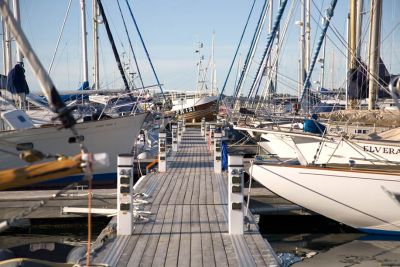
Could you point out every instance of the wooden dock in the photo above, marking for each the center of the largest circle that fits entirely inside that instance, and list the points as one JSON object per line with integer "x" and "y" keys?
{"x": 188, "y": 222}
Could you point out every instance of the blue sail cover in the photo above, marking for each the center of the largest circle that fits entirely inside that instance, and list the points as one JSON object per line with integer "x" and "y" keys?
{"x": 16, "y": 82}
{"x": 69, "y": 97}
{"x": 224, "y": 156}
{"x": 312, "y": 126}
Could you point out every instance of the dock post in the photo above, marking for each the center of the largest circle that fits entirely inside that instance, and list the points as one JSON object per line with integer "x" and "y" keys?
{"x": 124, "y": 193}
{"x": 219, "y": 119}
{"x": 211, "y": 138}
{"x": 206, "y": 131}
{"x": 174, "y": 137}
{"x": 179, "y": 132}
{"x": 203, "y": 126}
{"x": 162, "y": 152}
{"x": 235, "y": 194}
{"x": 217, "y": 151}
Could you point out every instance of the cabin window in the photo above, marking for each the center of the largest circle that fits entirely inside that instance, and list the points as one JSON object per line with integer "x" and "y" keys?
{"x": 21, "y": 118}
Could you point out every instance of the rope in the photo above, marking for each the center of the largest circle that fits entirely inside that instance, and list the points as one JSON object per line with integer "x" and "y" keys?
{"x": 114, "y": 48}
{"x": 236, "y": 52}
{"x": 59, "y": 37}
{"x": 5, "y": 225}
{"x": 329, "y": 14}
{"x": 89, "y": 177}
{"x": 145, "y": 48}
{"x": 131, "y": 46}
{"x": 249, "y": 191}
{"x": 252, "y": 49}
{"x": 268, "y": 47}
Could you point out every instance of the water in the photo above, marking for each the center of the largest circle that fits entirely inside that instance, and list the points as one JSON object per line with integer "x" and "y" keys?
{"x": 50, "y": 240}
{"x": 318, "y": 241}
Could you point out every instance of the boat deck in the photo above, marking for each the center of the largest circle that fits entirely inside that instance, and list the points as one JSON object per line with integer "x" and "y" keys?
{"x": 188, "y": 222}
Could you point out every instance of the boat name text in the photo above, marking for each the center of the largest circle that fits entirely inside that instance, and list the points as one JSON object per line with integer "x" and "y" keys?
{"x": 384, "y": 150}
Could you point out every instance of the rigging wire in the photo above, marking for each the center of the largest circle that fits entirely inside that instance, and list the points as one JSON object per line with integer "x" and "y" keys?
{"x": 236, "y": 52}
{"x": 280, "y": 45}
{"x": 114, "y": 48}
{"x": 59, "y": 37}
{"x": 345, "y": 44}
{"x": 145, "y": 48}
{"x": 268, "y": 48}
{"x": 253, "y": 45}
{"x": 131, "y": 46}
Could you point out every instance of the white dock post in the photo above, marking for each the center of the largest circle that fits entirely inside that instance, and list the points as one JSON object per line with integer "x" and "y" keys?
{"x": 211, "y": 138}
{"x": 203, "y": 126}
{"x": 183, "y": 125}
{"x": 217, "y": 152}
{"x": 235, "y": 194}
{"x": 124, "y": 194}
{"x": 179, "y": 132}
{"x": 206, "y": 131}
{"x": 162, "y": 152}
{"x": 174, "y": 137}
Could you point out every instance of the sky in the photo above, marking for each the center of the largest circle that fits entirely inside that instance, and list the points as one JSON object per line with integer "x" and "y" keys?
{"x": 172, "y": 31}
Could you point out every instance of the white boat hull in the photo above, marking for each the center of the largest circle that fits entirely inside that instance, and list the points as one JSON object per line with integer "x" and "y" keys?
{"x": 357, "y": 199}
{"x": 335, "y": 150}
{"x": 330, "y": 149}
{"x": 113, "y": 136}
{"x": 280, "y": 145}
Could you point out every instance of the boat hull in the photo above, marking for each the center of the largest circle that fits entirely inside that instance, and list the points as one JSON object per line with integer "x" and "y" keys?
{"x": 193, "y": 110}
{"x": 357, "y": 199}
{"x": 113, "y": 136}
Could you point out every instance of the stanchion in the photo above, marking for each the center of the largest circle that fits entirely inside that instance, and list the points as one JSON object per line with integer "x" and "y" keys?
{"x": 235, "y": 194}
{"x": 124, "y": 194}
{"x": 162, "y": 152}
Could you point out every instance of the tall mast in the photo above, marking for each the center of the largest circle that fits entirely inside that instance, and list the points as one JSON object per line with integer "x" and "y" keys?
{"x": 360, "y": 7}
{"x": 302, "y": 70}
{"x": 212, "y": 65}
{"x": 352, "y": 61}
{"x": 374, "y": 51}
{"x": 84, "y": 42}
{"x": 17, "y": 17}
{"x": 269, "y": 66}
{"x": 4, "y": 47}
{"x": 95, "y": 13}
{"x": 7, "y": 49}
{"x": 307, "y": 36}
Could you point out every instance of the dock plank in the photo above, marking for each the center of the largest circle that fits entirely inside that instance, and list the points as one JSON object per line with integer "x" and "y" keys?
{"x": 188, "y": 225}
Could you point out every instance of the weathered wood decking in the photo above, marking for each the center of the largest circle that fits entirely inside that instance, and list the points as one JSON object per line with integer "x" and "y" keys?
{"x": 188, "y": 225}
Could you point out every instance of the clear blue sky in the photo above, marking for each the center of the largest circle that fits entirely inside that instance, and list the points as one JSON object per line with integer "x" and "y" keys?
{"x": 171, "y": 29}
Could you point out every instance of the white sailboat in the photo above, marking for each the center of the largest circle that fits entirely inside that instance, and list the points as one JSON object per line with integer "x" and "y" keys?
{"x": 202, "y": 103}
{"x": 363, "y": 193}
{"x": 113, "y": 135}
{"x": 353, "y": 196}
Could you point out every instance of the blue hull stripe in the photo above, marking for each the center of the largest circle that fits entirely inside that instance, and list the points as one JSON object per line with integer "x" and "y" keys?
{"x": 379, "y": 232}
{"x": 97, "y": 178}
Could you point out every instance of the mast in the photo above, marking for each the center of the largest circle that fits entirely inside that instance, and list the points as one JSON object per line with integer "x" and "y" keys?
{"x": 322, "y": 61}
{"x": 4, "y": 47}
{"x": 95, "y": 13}
{"x": 212, "y": 65}
{"x": 349, "y": 73}
{"x": 269, "y": 66}
{"x": 302, "y": 69}
{"x": 114, "y": 48}
{"x": 374, "y": 51}
{"x": 307, "y": 36}
{"x": 48, "y": 88}
{"x": 7, "y": 49}
{"x": 84, "y": 42}
{"x": 352, "y": 61}
{"x": 17, "y": 17}
{"x": 360, "y": 7}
